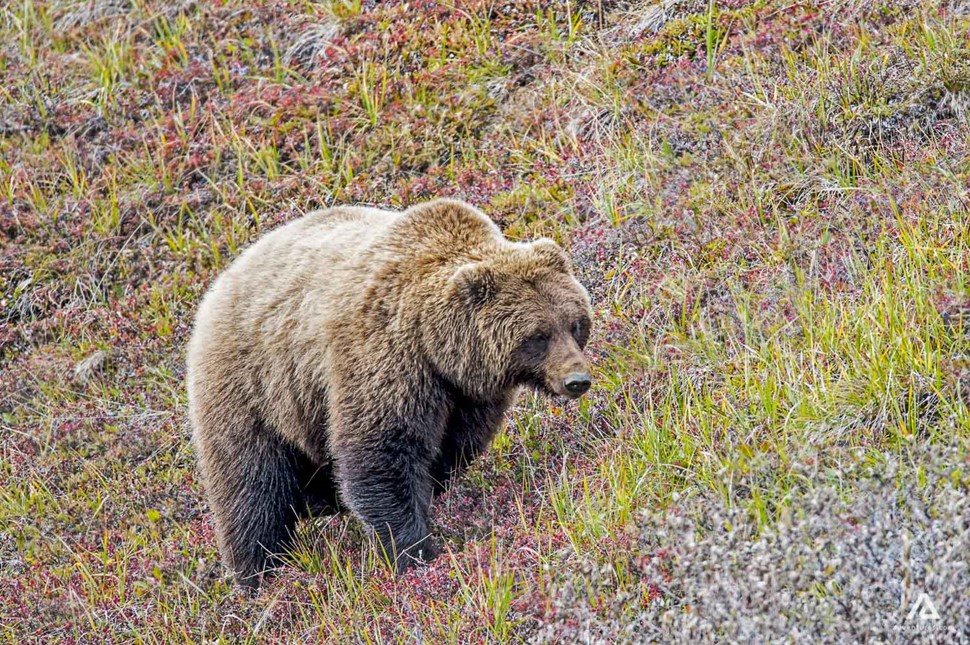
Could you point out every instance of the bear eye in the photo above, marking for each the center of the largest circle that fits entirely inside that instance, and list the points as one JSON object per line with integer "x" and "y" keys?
{"x": 538, "y": 341}
{"x": 579, "y": 333}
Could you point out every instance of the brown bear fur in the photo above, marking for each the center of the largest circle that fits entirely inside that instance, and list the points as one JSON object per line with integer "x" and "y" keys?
{"x": 359, "y": 358}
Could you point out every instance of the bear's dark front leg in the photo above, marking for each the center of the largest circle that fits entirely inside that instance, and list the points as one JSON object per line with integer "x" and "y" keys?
{"x": 469, "y": 431}
{"x": 387, "y": 485}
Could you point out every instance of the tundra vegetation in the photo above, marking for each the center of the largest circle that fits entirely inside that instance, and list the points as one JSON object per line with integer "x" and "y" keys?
{"x": 767, "y": 200}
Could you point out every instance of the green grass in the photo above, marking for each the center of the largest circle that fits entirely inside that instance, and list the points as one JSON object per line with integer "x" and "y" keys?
{"x": 767, "y": 202}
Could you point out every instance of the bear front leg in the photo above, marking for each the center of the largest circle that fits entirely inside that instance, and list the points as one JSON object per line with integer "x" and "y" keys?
{"x": 469, "y": 431}
{"x": 387, "y": 485}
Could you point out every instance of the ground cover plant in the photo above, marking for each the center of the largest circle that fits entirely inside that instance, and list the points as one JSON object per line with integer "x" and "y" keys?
{"x": 767, "y": 200}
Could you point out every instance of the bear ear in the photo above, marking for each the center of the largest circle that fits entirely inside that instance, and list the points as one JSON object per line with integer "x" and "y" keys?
{"x": 551, "y": 254}
{"x": 475, "y": 283}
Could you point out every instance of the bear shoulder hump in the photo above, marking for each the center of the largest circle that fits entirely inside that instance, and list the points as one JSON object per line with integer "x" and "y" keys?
{"x": 451, "y": 220}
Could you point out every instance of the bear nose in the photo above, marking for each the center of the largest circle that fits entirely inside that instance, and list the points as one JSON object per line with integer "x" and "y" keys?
{"x": 577, "y": 383}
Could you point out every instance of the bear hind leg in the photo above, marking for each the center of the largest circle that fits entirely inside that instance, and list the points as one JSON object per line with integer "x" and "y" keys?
{"x": 256, "y": 499}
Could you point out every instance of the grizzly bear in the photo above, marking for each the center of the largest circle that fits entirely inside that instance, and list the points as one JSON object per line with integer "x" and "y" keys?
{"x": 358, "y": 359}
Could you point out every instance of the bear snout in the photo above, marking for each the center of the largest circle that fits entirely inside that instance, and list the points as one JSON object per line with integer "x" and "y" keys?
{"x": 565, "y": 371}
{"x": 576, "y": 384}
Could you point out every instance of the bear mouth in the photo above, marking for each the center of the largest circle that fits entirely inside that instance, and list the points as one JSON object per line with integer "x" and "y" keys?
{"x": 539, "y": 385}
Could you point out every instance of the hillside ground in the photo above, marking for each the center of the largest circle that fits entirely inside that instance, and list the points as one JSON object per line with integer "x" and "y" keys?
{"x": 768, "y": 202}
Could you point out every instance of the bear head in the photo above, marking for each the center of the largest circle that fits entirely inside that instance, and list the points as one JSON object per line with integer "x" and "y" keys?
{"x": 516, "y": 316}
